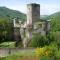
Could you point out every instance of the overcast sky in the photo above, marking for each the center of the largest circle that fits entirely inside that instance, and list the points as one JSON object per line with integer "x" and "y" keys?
{"x": 47, "y": 6}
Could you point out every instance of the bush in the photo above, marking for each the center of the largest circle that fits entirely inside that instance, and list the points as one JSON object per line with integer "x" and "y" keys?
{"x": 7, "y": 45}
{"x": 50, "y": 52}
{"x": 38, "y": 41}
{"x": 57, "y": 55}
{"x": 45, "y": 51}
{"x": 54, "y": 37}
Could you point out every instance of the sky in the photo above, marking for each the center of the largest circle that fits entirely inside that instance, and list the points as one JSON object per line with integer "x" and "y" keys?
{"x": 47, "y": 7}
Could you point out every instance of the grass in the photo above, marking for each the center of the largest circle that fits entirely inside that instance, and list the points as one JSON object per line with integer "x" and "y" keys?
{"x": 22, "y": 55}
{"x": 21, "y": 58}
{"x": 7, "y": 45}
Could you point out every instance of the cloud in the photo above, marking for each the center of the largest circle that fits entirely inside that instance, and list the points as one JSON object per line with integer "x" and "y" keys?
{"x": 45, "y": 9}
{"x": 21, "y": 8}
{"x": 49, "y": 9}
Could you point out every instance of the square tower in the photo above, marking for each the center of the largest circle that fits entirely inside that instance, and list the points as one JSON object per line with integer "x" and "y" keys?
{"x": 33, "y": 13}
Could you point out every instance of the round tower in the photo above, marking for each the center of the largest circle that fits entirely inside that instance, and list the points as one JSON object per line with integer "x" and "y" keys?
{"x": 33, "y": 13}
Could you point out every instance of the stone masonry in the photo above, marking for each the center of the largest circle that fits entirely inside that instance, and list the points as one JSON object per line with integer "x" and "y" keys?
{"x": 32, "y": 24}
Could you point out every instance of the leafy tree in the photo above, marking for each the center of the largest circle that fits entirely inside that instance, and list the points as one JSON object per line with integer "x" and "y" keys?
{"x": 5, "y": 29}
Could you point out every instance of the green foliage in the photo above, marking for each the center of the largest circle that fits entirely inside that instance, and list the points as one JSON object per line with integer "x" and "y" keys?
{"x": 55, "y": 24}
{"x": 6, "y": 29}
{"x": 55, "y": 21}
{"x": 7, "y": 45}
{"x": 54, "y": 37}
{"x": 50, "y": 52}
{"x": 8, "y": 13}
{"x": 6, "y": 24}
{"x": 55, "y": 51}
{"x": 57, "y": 55}
{"x": 38, "y": 40}
{"x": 51, "y": 36}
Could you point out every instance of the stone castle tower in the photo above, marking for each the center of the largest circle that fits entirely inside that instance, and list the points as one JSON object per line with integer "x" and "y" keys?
{"x": 24, "y": 31}
{"x": 33, "y": 13}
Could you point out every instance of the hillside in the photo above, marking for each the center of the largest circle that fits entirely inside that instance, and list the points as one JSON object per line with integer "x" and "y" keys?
{"x": 8, "y": 13}
{"x": 54, "y": 16}
{"x": 55, "y": 21}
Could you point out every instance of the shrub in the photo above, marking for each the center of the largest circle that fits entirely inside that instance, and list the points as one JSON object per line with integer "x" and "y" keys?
{"x": 45, "y": 51}
{"x": 57, "y": 55}
{"x": 48, "y": 52}
{"x": 51, "y": 36}
{"x": 54, "y": 37}
{"x": 40, "y": 51}
{"x": 38, "y": 40}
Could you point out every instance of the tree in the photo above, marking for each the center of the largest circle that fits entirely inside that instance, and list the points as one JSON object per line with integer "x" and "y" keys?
{"x": 5, "y": 29}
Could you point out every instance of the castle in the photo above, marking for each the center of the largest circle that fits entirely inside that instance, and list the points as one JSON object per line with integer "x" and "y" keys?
{"x": 33, "y": 24}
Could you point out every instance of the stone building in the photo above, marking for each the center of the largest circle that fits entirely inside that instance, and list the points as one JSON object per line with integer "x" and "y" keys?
{"x": 33, "y": 13}
{"x": 33, "y": 24}
{"x": 17, "y": 35}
